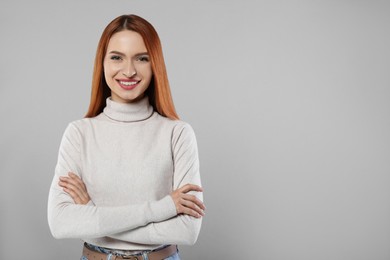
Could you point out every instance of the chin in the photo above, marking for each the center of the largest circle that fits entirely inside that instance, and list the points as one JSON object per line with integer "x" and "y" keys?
{"x": 130, "y": 98}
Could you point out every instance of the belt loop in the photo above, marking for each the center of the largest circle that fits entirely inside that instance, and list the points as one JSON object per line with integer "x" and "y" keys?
{"x": 145, "y": 256}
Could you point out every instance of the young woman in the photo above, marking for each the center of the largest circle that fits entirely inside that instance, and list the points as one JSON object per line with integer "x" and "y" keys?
{"x": 127, "y": 178}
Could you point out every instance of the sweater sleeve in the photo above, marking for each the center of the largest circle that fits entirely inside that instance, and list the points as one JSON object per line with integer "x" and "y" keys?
{"x": 181, "y": 229}
{"x": 69, "y": 220}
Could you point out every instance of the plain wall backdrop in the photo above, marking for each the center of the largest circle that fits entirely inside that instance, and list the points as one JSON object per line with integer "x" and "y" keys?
{"x": 289, "y": 101}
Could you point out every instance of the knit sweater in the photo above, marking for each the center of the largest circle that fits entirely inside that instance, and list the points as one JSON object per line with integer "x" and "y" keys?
{"x": 130, "y": 159}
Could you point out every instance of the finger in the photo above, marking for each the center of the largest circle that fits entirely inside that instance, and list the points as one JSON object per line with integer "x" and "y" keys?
{"x": 82, "y": 188}
{"x": 195, "y": 200}
{"x": 63, "y": 182}
{"x": 193, "y": 206}
{"x": 81, "y": 194}
{"x": 73, "y": 195}
{"x": 77, "y": 196}
{"x": 72, "y": 183}
{"x": 75, "y": 181}
{"x": 78, "y": 180}
{"x": 190, "y": 187}
{"x": 71, "y": 174}
{"x": 190, "y": 212}
{"x": 74, "y": 186}
{"x": 75, "y": 177}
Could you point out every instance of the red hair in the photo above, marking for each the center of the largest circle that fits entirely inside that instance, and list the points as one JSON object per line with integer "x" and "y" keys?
{"x": 158, "y": 91}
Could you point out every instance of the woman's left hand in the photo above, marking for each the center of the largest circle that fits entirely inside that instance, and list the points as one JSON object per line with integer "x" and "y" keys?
{"x": 75, "y": 187}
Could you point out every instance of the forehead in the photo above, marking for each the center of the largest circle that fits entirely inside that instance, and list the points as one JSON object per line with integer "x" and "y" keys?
{"x": 126, "y": 41}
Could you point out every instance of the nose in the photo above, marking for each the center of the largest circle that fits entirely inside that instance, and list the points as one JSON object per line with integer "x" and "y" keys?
{"x": 129, "y": 69}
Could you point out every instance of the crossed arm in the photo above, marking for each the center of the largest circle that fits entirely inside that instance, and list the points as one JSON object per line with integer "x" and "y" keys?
{"x": 185, "y": 203}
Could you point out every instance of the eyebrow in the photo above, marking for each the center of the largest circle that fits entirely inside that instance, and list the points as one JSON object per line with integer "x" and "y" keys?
{"x": 122, "y": 54}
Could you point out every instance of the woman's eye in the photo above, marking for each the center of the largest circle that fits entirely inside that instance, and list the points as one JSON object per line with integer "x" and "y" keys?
{"x": 115, "y": 57}
{"x": 143, "y": 58}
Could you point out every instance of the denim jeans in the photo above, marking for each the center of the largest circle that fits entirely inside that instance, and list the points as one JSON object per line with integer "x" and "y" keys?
{"x": 172, "y": 257}
{"x": 145, "y": 255}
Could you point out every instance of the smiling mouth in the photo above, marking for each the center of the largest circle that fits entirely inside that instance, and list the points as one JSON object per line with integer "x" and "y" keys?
{"x": 128, "y": 84}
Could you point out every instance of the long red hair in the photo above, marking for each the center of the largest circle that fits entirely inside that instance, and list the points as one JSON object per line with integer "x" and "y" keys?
{"x": 158, "y": 91}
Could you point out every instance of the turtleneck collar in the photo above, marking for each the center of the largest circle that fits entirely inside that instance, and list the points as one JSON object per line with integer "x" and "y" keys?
{"x": 128, "y": 112}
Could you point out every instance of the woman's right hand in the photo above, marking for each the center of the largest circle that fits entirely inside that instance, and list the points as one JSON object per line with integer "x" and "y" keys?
{"x": 186, "y": 203}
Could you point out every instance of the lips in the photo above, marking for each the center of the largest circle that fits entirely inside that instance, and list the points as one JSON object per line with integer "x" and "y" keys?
{"x": 128, "y": 84}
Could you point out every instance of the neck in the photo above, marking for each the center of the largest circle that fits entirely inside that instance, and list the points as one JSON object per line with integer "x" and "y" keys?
{"x": 128, "y": 112}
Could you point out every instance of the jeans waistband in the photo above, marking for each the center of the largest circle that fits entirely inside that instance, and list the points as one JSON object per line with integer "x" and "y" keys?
{"x": 120, "y": 252}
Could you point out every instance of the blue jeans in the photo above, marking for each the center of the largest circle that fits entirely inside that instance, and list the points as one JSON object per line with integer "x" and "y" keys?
{"x": 172, "y": 257}
{"x": 144, "y": 254}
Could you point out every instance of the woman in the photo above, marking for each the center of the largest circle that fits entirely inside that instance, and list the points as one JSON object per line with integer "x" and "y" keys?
{"x": 127, "y": 178}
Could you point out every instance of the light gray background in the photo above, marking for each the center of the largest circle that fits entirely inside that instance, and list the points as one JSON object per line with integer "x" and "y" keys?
{"x": 289, "y": 101}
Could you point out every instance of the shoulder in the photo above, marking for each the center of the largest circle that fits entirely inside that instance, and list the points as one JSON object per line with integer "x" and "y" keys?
{"x": 183, "y": 132}
{"x": 182, "y": 127}
{"x": 177, "y": 126}
{"x": 78, "y": 127}
{"x": 80, "y": 123}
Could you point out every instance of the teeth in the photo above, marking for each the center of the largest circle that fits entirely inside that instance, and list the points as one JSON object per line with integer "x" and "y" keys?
{"x": 128, "y": 83}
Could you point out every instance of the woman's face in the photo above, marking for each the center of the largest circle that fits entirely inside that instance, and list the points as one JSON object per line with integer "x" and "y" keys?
{"x": 127, "y": 67}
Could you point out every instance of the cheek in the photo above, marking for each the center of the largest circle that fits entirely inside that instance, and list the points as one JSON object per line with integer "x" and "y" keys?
{"x": 148, "y": 73}
{"x": 106, "y": 70}
{"x": 109, "y": 75}
{"x": 109, "y": 70}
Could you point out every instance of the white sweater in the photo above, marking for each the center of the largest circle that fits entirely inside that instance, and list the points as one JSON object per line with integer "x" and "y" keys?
{"x": 131, "y": 159}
